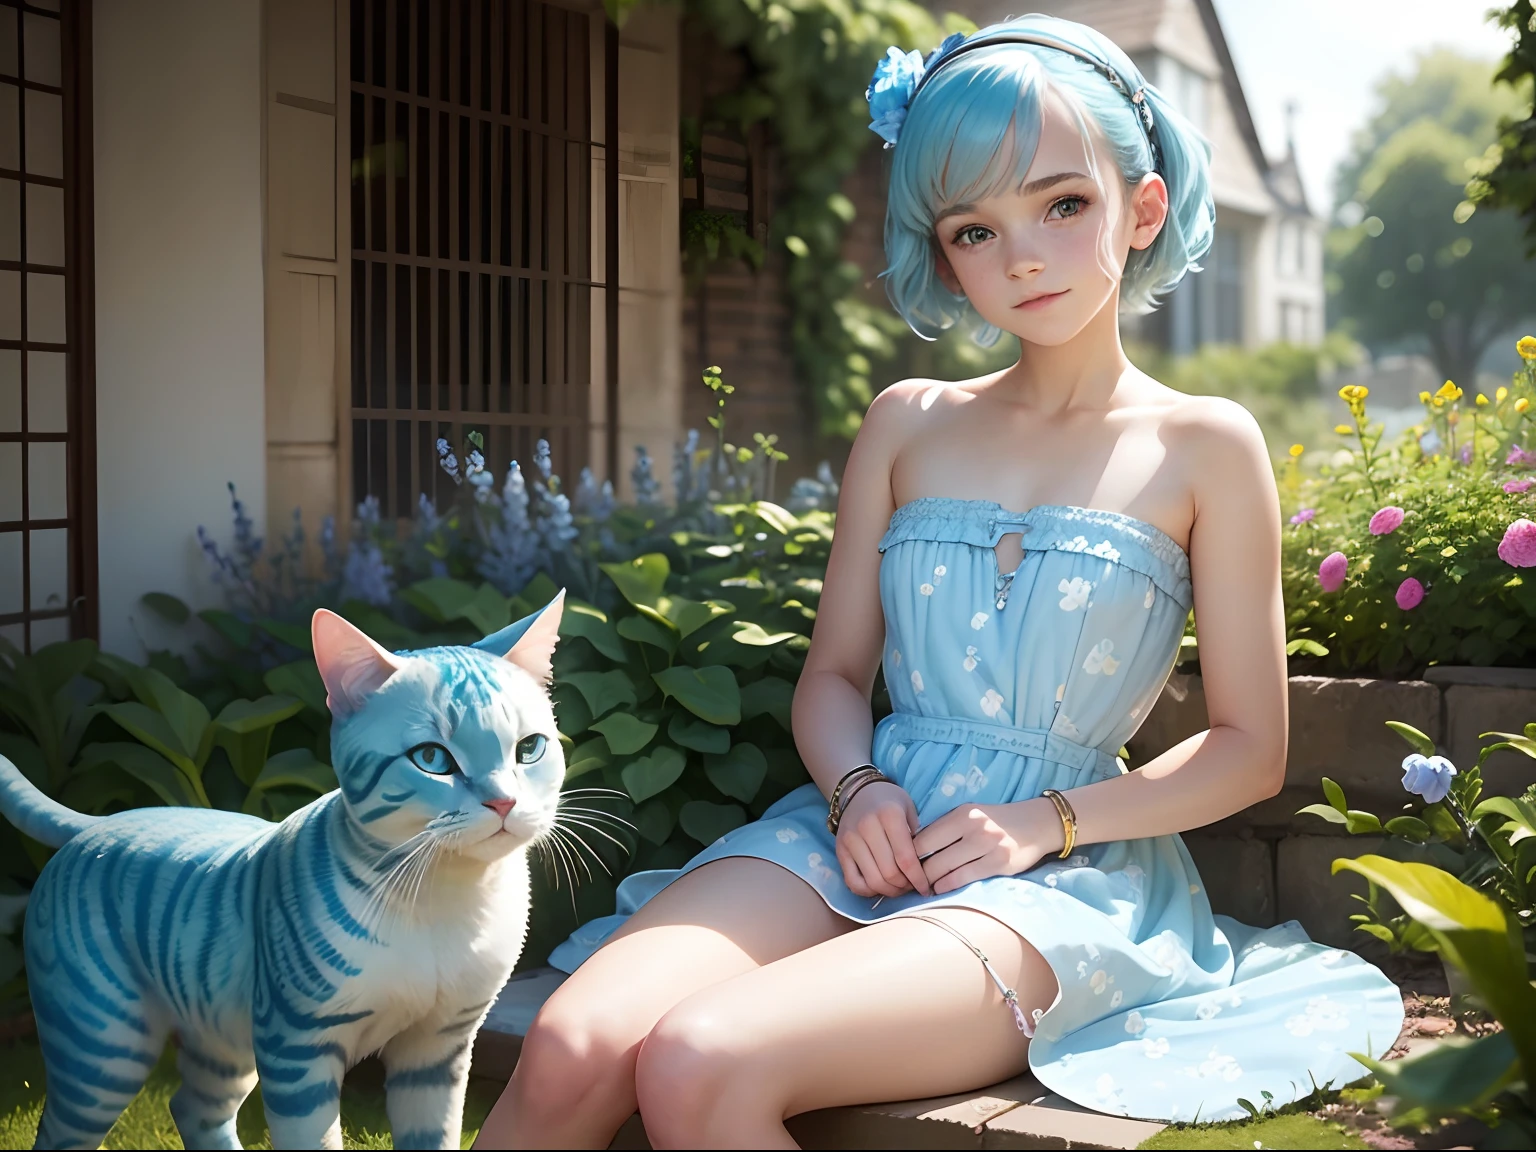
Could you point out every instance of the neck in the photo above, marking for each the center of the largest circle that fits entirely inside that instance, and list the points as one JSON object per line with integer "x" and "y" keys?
{"x": 1080, "y": 373}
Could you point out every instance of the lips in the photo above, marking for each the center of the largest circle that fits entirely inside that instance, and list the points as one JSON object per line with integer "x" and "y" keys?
{"x": 1040, "y": 300}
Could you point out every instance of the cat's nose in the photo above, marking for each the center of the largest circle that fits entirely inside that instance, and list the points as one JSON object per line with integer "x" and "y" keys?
{"x": 501, "y": 807}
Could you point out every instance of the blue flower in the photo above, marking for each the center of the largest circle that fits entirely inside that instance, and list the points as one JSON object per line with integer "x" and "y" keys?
{"x": 946, "y": 46}
{"x": 890, "y": 91}
{"x": 1428, "y": 776}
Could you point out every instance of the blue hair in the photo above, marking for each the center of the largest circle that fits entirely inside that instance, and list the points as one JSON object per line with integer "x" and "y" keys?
{"x": 972, "y": 132}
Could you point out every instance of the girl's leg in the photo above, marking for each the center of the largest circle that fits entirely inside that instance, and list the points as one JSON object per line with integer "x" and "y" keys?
{"x": 898, "y": 1010}
{"x": 575, "y": 1080}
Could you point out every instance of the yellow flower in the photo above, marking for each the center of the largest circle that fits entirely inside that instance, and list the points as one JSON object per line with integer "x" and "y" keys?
{"x": 1501, "y": 395}
{"x": 1343, "y": 429}
{"x": 1482, "y": 401}
{"x": 1526, "y": 346}
{"x": 1438, "y": 402}
{"x": 1453, "y": 417}
{"x": 1522, "y": 404}
{"x": 1351, "y": 393}
{"x": 1449, "y": 391}
{"x": 1296, "y": 450}
{"x": 1424, "y": 397}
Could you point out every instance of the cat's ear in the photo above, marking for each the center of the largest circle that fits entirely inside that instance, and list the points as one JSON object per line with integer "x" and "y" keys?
{"x": 530, "y": 642}
{"x": 351, "y": 664}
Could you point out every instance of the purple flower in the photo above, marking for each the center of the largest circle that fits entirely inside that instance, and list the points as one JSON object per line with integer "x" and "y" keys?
{"x": 1387, "y": 520}
{"x": 1518, "y": 548}
{"x": 1304, "y": 516}
{"x": 1428, "y": 776}
{"x": 1410, "y": 594}
{"x": 1519, "y": 458}
{"x": 1515, "y": 487}
{"x": 1331, "y": 572}
{"x": 1466, "y": 453}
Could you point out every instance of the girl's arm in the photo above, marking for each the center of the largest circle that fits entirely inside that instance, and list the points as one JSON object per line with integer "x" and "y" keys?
{"x": 832, "y": 721}
{"x": 1235, "y": 561}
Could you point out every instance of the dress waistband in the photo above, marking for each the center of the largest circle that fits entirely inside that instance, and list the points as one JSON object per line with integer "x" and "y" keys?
{"x": 1038, "y": 742}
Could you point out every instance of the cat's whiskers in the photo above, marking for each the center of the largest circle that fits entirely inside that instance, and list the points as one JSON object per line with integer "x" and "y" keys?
{"x": 568, "y": 822}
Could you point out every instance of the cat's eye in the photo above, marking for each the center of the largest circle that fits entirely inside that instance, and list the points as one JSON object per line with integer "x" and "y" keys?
{"x": 433, "y": 758}
{"x": 530, "y": 749}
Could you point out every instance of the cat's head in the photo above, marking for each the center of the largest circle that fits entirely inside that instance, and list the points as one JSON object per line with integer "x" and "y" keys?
{"x": 455, "y": 746}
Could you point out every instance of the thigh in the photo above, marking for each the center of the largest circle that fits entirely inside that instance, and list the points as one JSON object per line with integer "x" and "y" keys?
{"x": 893, "y": 1011}
{"x": 718, "y": 921}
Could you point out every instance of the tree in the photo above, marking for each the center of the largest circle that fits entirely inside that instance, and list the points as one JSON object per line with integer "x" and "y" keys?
{"x": 1416, "y": 262}
{"x": 1507, "y": 178}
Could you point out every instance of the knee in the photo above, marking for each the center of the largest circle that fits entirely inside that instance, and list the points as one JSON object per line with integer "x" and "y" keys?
{"x": 573, "y": 1059}
{"x": 688, "y": 1073}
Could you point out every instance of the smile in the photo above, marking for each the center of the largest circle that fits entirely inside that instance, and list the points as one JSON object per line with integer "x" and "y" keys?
{"x": 1041, "y": 301}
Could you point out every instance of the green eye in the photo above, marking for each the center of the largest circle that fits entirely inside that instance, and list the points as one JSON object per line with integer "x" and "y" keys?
{"x": 433, "y": 759}
{"x": 530, "y": 749}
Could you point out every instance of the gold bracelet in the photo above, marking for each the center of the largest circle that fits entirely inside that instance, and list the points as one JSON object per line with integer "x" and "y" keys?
{"x": 1068, "y": 821}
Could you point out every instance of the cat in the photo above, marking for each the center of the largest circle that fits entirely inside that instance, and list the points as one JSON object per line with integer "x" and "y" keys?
{"x": 384, "y": 917}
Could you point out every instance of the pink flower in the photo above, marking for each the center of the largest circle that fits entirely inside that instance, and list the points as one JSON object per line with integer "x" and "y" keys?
{"x": 1304, "y": 516}
{"x": 1515, "y": 487}
{"x": 1410, "y": 594}
{"x": 1518, "y": 548}
{"x": 1387, "y": 520}
{"x": 1331, "y": 572}
{"x": 1519, "y": 458}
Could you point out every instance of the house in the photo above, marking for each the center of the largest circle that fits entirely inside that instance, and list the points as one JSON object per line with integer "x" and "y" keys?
{"x": 286, "y": 244}
{"x": 1263, "y": 278}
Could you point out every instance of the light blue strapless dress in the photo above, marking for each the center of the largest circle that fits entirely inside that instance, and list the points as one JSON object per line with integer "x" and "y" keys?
{"x": 1007, "y": 684}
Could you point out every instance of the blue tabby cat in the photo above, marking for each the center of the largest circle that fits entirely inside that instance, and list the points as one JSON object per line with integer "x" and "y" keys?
{"x": 384, "y": 917}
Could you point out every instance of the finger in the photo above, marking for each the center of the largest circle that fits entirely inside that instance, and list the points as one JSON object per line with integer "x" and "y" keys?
{"x": 966, "y": 874}
{"x": 900, "y": 837}
{"x": 873, "y": 879}
{"x": 940, "y": 834}
{"x": 942, "y": 863}
{"x": 876, "y": 837}
{"x": 851, "y": 874}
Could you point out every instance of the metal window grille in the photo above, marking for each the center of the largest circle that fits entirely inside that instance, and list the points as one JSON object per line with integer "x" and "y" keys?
{"x": 47, "y": 405}
{"x": 473, "y": 273}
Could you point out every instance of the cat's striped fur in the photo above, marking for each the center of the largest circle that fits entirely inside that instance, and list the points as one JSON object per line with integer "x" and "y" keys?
{"x": 384, "y": 917}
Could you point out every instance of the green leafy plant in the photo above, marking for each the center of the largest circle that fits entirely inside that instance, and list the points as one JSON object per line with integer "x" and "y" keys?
{"x": 711, "y": 236}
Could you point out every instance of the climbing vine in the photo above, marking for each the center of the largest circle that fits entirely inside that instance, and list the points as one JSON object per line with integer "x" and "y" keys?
{"x": 811, "y": 60}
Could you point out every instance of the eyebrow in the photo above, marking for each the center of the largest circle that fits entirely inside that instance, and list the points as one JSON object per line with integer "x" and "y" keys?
{"x": 1034, "y": 187}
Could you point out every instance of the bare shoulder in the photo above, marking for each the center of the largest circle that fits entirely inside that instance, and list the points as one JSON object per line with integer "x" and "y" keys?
{"x": 1222, "y": 454}
{"x": 904, "y": 407}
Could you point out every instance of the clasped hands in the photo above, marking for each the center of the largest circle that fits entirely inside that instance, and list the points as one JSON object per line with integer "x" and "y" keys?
{"x": 883, "y": 852}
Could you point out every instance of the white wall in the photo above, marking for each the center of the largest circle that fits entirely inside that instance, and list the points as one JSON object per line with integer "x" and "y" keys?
{"x": 179, "y": 309}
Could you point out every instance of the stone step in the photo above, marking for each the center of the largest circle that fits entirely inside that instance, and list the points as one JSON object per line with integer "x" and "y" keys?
{"x": 1019, "y": 1113}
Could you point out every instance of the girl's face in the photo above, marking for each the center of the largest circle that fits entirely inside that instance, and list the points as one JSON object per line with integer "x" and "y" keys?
{"x": 1042, "y": 260}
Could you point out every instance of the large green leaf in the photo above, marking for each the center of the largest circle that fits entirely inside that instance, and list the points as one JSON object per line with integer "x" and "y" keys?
{"x": 653, "y": 821}
{"x": 644, "y": 630}
{"x": 654, "y": 774}
{"x": 1515, "y": 740}
{"x": 301, "y": 679}
{"x": 244, "y": 716}
{"x": 769, "y": 696}
{"x": 753, "y": 634}
{"x": 295, "y": 768}
{"x": 1327, "y": 811}
{"x": 153, "y": 729}
{"x": 641, "y": 580}
{"x": 489, "y": 611}
{"x": 701, "y": 736}
{"x": 625, "y": 734}
{"x": 1448, "y": 1077}
{"x": 707, "y": 822}
{"x": 591, "y": 755}
{"x": 167, "y": 607}
{"x": 603, "y": 691}
{"x": 294, "y": 635}
{"x": 228, "y": 625}
{"x": 184, "y": 712}
{"x": 710, "y": 693}
{"x": 442, "y": 599}
{"x": 1517, "y": 810}
{"x": 1421, "y": 743}
{"x": 55, "y": 665}
{"x": 739, "y": 773}
{"x": 688, "y": 616}
{"x": 591, "y": 625}
{"x": 149, "y": 767}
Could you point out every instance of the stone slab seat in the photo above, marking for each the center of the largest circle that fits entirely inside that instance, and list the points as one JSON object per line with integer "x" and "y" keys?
{"x": 1018, "y": 1113}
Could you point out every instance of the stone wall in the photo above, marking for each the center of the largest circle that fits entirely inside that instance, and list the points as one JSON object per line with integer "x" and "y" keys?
{"x": 1267, "y": 864}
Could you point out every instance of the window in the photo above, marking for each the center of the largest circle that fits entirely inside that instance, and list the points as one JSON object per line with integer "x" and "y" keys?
{"x": 473, "y": 291}
{"x": 47, "y": 445}
{"x": 1185, "y": 88}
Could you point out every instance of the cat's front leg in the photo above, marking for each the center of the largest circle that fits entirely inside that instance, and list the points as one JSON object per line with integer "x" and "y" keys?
{"x": 426, "y": 1074}
{"x": 301, "y": 1090}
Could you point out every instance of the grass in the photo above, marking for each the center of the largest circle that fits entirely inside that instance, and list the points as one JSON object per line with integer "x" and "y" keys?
{"x": 147, "y": 1122}
{"x": 1296, "y": 1130}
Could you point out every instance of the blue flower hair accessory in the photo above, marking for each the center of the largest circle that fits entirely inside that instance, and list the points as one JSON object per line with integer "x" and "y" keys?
{"x": 896, "y": 79}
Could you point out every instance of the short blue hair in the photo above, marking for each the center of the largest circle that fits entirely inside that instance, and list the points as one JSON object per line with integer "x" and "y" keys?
{"x": 972, "y": 132}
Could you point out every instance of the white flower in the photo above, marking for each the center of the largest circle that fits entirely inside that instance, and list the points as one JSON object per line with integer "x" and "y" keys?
{"x": 1105, "y": 549}
{"x": 785, "y": 835}
{"x": 819, "y": 870}
{"x": 1100, "y": 660}
{"x": 1082, "y": 969}
{"x": 940, "y": 571}
{"x": 952, "y": 783}
{"x": 1051, "y": 880}
{"x": 992, "y": 702}
{"x": 1322, "y": 1015}
{"x": 1092, "y": 950}
{"x": 917, "y": 680}
{"x": 1136, "y": 711}
{"x": 1133, "y": 873}
{"x": 1135, "y": 1024}
{"x": 1151, "y": 596}
{"x": 925, "y": 589}
{"x": 1219, "y": 1064}
{"x": 975, "y": 780}
{"x": 896, "y": 657}
{"x": 1075, "y": 593}
{"x": 1098, "y": 981}
{"x": 1154, "y": 1049}
{"x": 970, "y": 661}
{"x": 1208, "y": 1010}
{"x": 1117, "y": 999}
{"x": 978, "y": 620}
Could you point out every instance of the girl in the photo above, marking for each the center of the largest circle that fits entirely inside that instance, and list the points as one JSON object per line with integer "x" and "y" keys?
{"x": 979, "y": 887}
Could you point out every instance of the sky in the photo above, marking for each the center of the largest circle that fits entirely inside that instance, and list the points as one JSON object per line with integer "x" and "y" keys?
{"x": 1327, "y": 55}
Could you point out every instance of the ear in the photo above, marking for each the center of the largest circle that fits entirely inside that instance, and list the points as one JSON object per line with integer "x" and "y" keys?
{"x": 1149, "y": 210}
{"x": 530, "y": 642}
{"x": 351, "y": 664}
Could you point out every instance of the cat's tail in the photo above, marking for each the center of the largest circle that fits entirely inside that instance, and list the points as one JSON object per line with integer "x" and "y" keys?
{"x": 46, "y": 821}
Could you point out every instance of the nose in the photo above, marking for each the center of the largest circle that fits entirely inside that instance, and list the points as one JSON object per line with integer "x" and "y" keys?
{"x": 501, "y": 807}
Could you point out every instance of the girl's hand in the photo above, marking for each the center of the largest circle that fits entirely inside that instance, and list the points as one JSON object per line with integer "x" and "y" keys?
{"x": 874, "y": 842}
{"x": 976, "y": 841}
